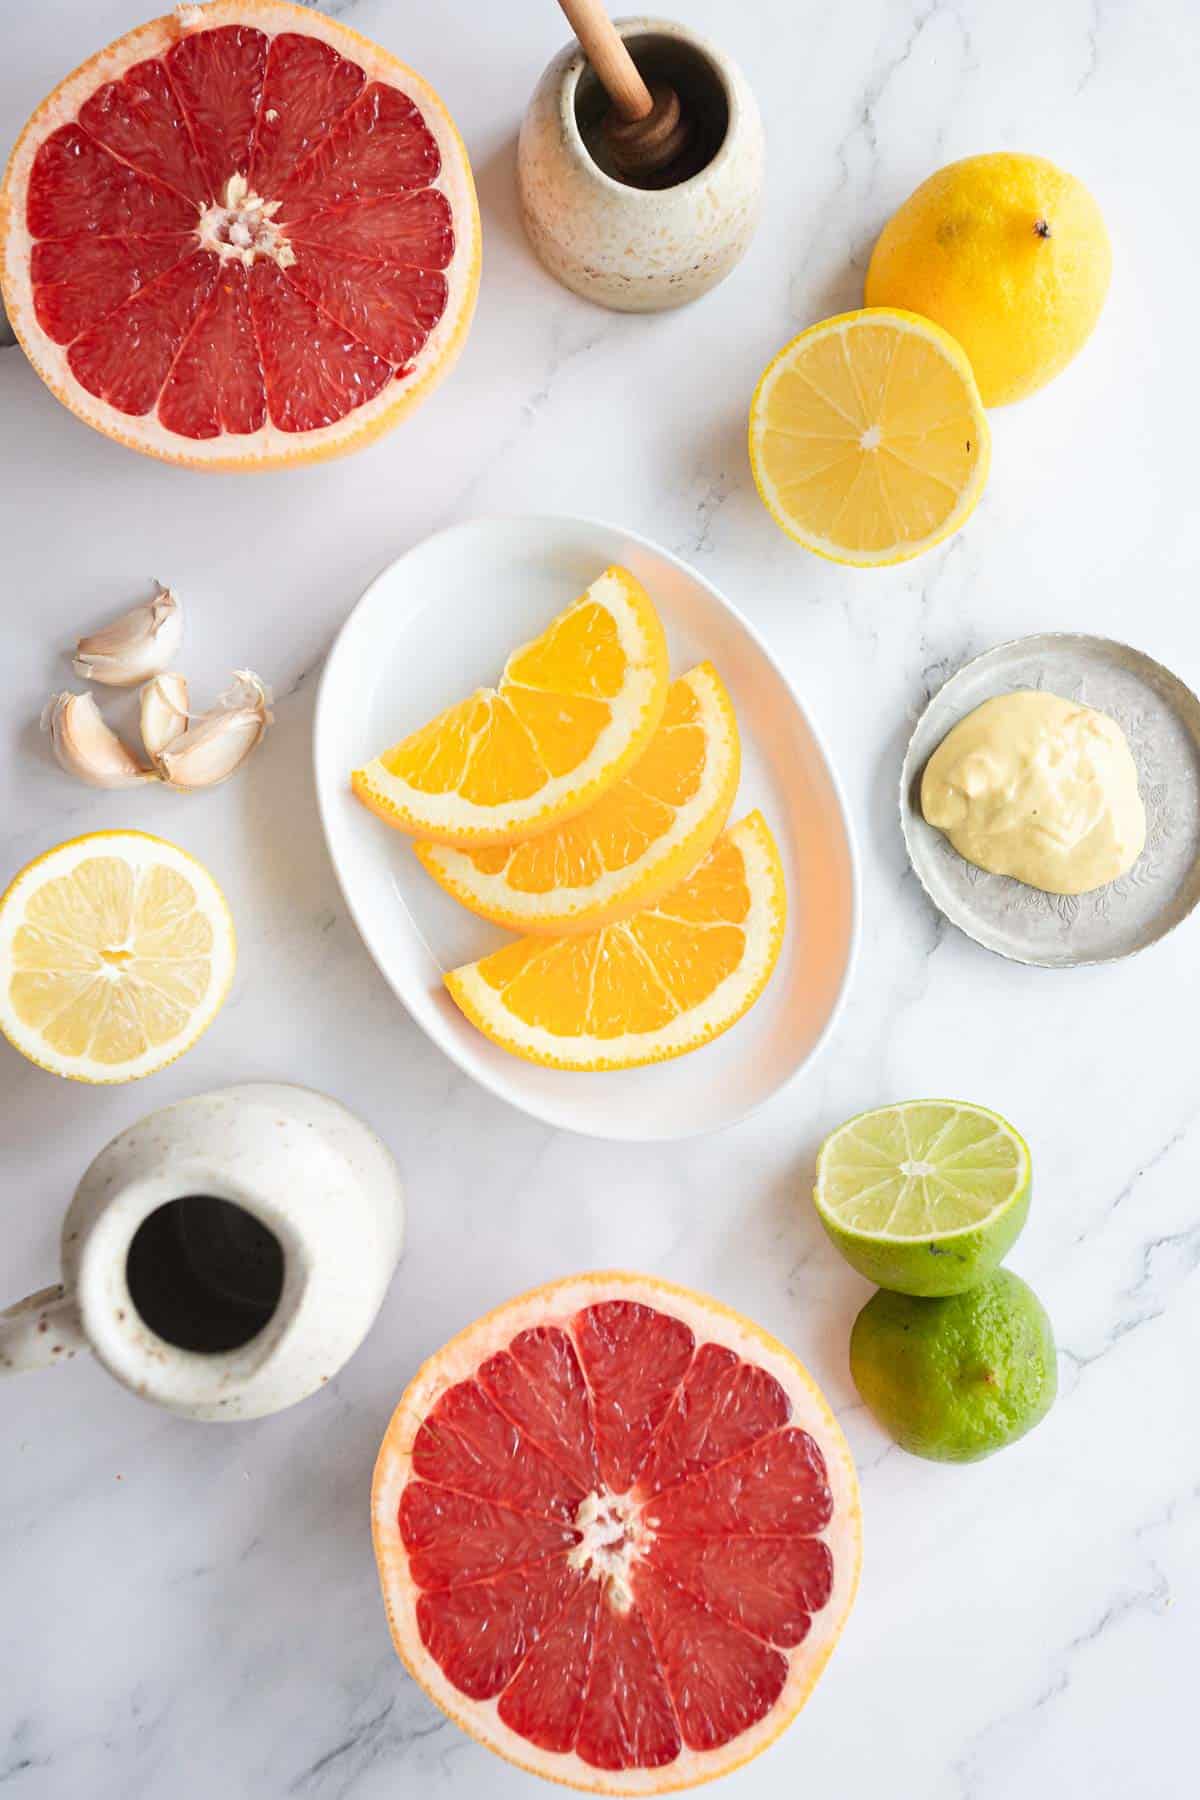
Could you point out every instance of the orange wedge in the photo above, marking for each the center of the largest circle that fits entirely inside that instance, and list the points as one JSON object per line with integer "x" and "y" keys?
{"x": 868, "y": 439}
{"x": 572, "y": 713}
{"x": 657, "y": 985}
{"x": 645, "y": 835}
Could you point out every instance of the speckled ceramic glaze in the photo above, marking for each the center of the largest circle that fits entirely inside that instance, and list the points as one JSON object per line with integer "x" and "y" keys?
{"x": 635, "y": 249}
{"x": 298, "y": 1163}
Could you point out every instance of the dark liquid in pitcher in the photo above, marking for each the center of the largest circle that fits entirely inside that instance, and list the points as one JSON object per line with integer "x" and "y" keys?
{"x": 203, "y": 1274}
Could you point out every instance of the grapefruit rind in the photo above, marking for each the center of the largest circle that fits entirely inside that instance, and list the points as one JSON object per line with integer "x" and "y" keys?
{"x": 140, "y": 848}
{"x": 268, "y": 447}
{"x": 636, "y": 710}
{"x": 621, "y": 891}
{"x": 711, "y": 1322}
{"x": 728, "y": 1002}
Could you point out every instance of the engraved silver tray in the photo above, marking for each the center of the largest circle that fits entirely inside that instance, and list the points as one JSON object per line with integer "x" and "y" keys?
{"x": 1160, "y": 717}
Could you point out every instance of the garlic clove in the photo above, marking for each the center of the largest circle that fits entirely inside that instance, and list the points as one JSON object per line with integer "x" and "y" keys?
{"x": 142, "y": 642}
{"x": 164, "y": 715}
{"x": 217, "y": 743}
{"x": 88, "y": 748}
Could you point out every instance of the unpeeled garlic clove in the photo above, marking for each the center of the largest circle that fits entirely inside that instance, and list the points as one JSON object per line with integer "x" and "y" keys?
{"x": 88, "y": 748}
{"x": 164, "y": 715}
{"x": 140, "y": 643}
{"x": 217, "y": 743}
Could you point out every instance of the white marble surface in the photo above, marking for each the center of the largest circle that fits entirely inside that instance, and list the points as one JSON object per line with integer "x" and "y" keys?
{"x": 189, "y": 1610}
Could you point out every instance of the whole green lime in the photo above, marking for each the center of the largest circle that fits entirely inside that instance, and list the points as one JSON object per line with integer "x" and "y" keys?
{"x": 958, "y": 1378}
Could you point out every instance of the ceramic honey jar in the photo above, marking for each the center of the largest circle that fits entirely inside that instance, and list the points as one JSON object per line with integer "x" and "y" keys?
{"x": 630, "y": 247}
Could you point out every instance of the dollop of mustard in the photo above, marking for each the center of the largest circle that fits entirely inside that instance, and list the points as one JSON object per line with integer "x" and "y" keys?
{"x": 1039, "y": 788}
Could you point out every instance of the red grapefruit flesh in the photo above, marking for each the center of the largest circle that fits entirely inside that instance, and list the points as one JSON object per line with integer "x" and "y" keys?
{"x": 618, "y": 1533}
{"x": 241, "y": 236}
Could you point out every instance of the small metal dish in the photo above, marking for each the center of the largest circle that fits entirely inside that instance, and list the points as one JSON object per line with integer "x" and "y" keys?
{"x": 1160, "y": 717}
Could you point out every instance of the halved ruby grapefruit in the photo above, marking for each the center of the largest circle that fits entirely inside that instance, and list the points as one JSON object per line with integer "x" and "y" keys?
{"x": 618, "y": 1533}
{"x": 241, "y": 236}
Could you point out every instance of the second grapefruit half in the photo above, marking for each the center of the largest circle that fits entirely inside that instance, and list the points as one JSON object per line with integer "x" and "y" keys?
{"x": 618, "y": 1533}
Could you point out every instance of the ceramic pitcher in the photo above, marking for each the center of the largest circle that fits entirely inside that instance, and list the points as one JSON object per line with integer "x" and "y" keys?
{"x": 223, "y": 1257}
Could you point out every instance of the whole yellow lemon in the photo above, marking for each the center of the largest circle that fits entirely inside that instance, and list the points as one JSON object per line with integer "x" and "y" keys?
{"x": 1010, "y": 255}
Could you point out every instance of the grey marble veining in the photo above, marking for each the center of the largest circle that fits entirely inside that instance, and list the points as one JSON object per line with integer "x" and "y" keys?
{"x": 189, "y": 1610}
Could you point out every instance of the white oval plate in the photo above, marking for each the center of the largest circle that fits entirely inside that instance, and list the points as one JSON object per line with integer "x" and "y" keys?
{"x": 440, "y": 622}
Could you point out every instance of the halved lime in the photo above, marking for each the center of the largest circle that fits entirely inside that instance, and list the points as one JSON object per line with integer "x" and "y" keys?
{"x": 926, "y": 1197}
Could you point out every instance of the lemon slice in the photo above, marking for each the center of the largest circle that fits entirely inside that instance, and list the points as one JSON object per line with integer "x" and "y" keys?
{"x": 571, "y": 714}
{"x": 116, "y": 952}
{"x": 868, "y": 439}
{"x": 925, "y": 1197}
{"x": 641, "y": 838}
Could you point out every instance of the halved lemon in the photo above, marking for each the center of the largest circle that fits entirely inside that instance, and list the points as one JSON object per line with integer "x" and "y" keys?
{"x": 868, "y": 439}
{"x": 657, "y": 985}
{"x": 573, "y": 711}
{"x": 116, "y": 952}
{"x": 633, "y": 846}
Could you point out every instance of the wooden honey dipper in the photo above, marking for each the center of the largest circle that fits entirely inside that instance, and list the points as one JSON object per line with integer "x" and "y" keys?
{"x": 645, "y": 129}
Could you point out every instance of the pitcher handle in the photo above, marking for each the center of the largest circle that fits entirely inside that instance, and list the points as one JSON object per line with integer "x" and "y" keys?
{"x": 40, "y": 1330}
